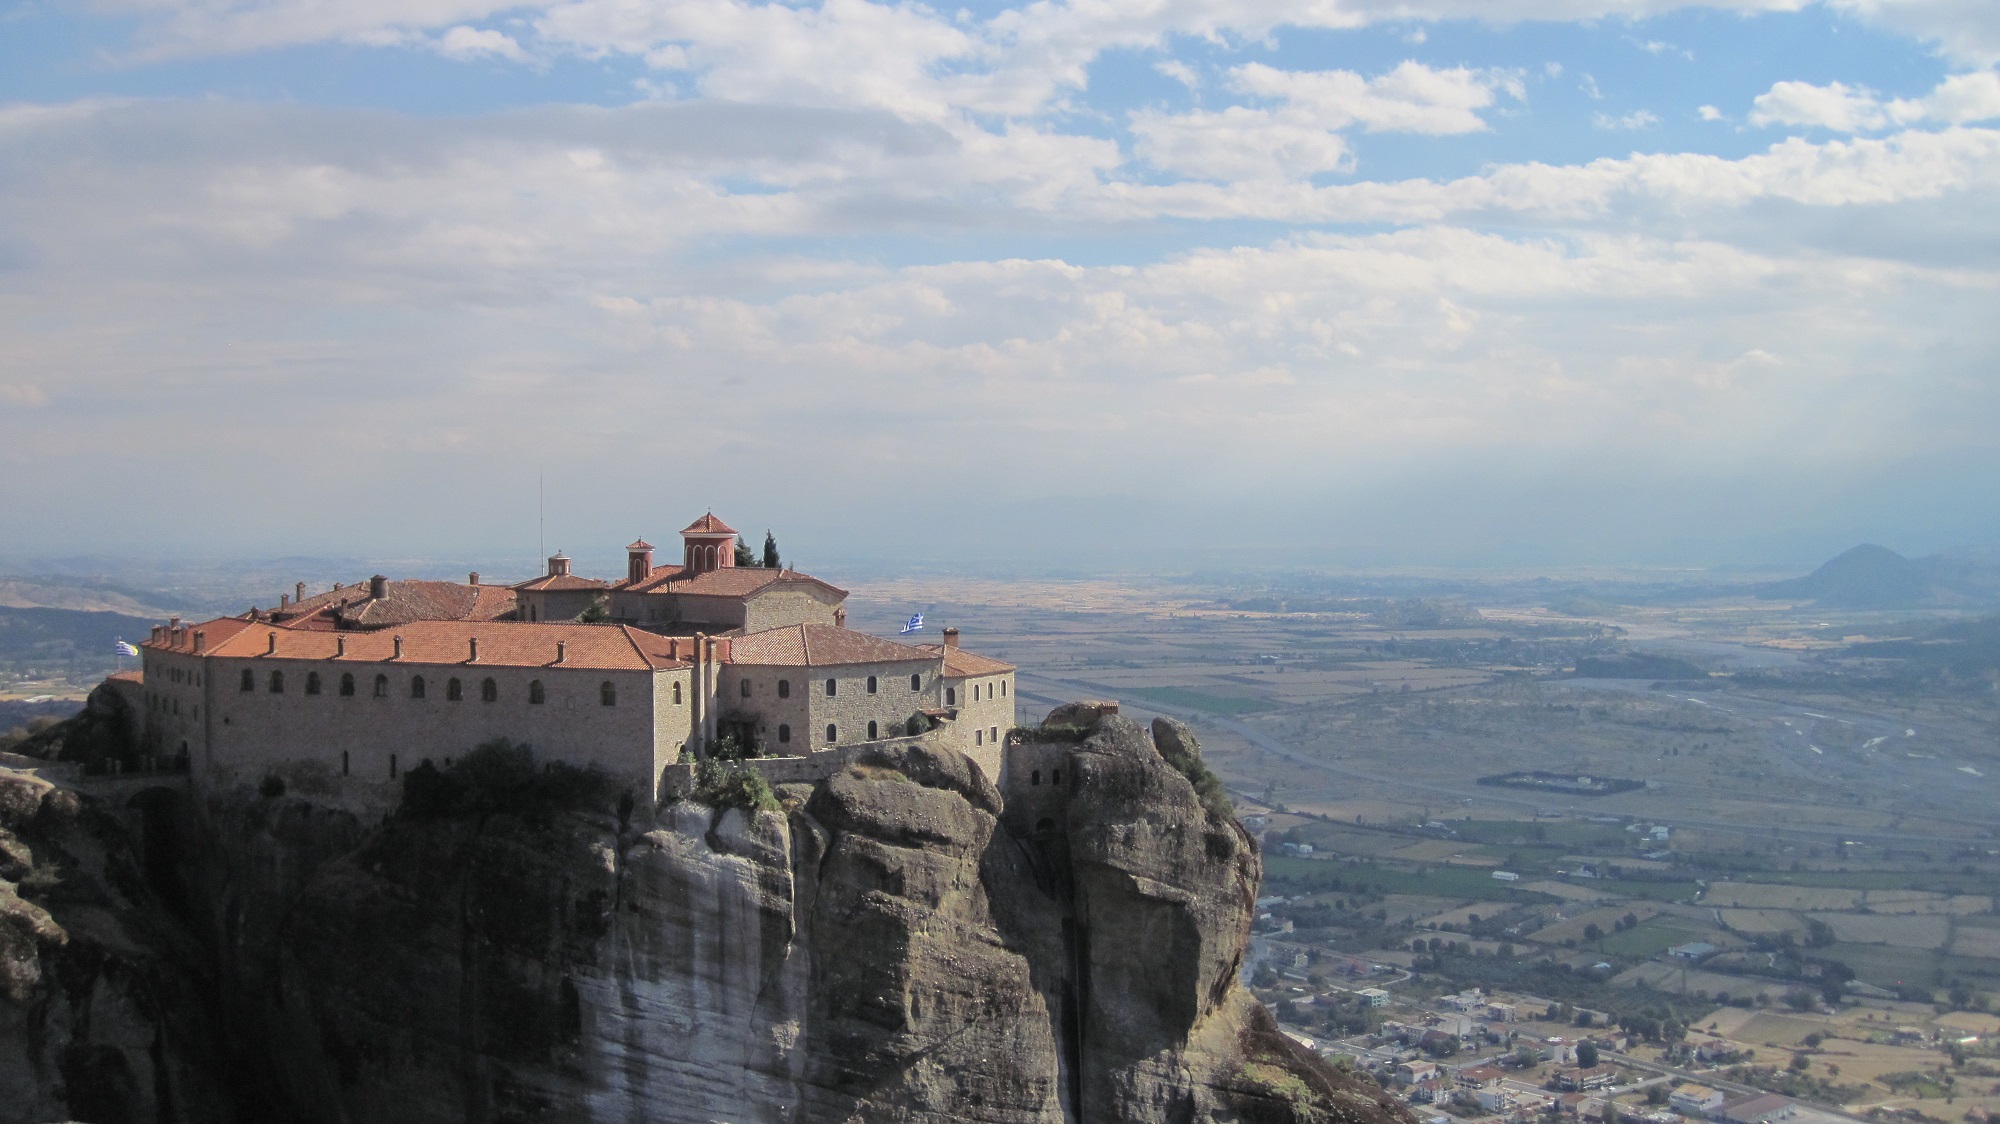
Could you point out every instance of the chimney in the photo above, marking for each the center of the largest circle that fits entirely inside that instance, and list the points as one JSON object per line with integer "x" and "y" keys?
{"x": 173, "y": 622}
{"x": 284, "y": 601}
{"x": 298, "y": 593}
{"x": 339, "y": 646}
{"x": 474, "y": 658}
{"x": 562, "y": 650}
{"x": 271, "y": 644}
{"x": 840, "y": 618}
{"x": 399, "y": 649}
{"x": 336, "y": 587}
{"x": 472, "y": 578}
{"x": 378, "y": 587}
{"x": 200, "y": 640}
{"x": 159, "y": 630}
{"x": 951, "y": 638}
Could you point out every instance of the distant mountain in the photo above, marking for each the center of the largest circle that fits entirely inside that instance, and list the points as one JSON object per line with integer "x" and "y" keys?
{"x": 60, "y": 636}
{"x": 1875, "y": 577}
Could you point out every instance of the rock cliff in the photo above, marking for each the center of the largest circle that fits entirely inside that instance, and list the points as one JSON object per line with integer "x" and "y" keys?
{"x": 888, "y": 945}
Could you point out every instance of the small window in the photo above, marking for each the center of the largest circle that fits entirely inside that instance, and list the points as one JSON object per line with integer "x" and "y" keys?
{"x": 831, "y": 687}
{"x": 607, "y": 693}
{"x": 343, "y": 762}
{"x": 951, "y": 696}
{"x": 536, "y": 696}
{"x": 277, "y": 682}
{"x": 1035, "y": 777}
{"x": 746, "y": 688}
{"x": 381, "y": 686}
{"x": 1055, "y": 776}
{"x": 872, "y": 735}
{"x": 1003, "y": 688}
{"x": 993, "y": 734}
{"x": 784, "y": 732}
{"x": 249, "y": 680}
{"x": 784, "y": 688}
{"x": 832, "y": 733}
{"x": 312, "y": 682}
{"x": 677, "y": 694}
{"x": 978, "y": 737}
{"x": 417, "y": 686}
{"x": 871, "y": 684}
{"x": 489, "y": 691}
{"x": 392, "y": 766}
{"x": 916, "y": 682}
{"x": 347, "y": 683}
{"x": 454, "y": 691}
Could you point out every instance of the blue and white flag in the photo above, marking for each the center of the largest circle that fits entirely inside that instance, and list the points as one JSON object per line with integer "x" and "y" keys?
{"x": 125, "y": 649}
{"x": 916, "y": 625}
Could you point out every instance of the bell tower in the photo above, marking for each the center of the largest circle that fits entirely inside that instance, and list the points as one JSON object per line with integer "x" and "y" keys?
{"x": 708, "y": 544}
{"x": 638, "y": 561}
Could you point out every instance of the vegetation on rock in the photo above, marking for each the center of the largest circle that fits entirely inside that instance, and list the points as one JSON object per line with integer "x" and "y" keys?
{"x": 501, "y": 777}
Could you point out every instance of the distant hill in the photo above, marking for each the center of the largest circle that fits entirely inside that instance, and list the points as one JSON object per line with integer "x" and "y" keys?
{"x": 60, "y": 636}
{"x": 54, "y": 591}
{"x": 1965, "y": 648}
{"x": 1875, "y": 577}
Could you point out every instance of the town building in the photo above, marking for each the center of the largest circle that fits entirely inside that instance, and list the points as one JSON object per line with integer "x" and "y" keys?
{"x": 1695, "y": 1100}
{"x": 347, "y": 689}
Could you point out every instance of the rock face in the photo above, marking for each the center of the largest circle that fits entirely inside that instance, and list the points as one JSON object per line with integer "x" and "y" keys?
{"x": 889, "y": 945}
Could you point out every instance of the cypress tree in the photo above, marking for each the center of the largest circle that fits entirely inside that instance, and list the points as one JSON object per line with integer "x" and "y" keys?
{"x": 770, "y": 552}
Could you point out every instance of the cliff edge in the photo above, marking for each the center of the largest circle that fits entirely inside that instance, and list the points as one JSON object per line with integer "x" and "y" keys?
{"x": 890, "y": 944}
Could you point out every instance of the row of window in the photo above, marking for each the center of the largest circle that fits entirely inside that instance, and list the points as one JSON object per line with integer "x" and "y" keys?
{"x": 832, "y": 733}
{"x": 951, "y": 693}
{"x": 454, "y": 691}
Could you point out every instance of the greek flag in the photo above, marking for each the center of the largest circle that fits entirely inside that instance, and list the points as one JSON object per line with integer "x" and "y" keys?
{"x": 916, "y": 625}
{"x": 125, "y": 649}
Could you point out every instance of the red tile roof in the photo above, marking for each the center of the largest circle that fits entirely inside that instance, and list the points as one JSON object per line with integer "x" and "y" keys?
{"x": 501, "y": 644}
{"x": 213, "y": 632}
{"x": 560, "y": 582}
{"x": 405, "y": 601}
{"x": 742, "y": 581}
{"x": 959, "y": 663}
{"x": 708, "y": 525}
{"x": 819, "y": 645}
{"x": 652, "y": 582}
{"x": 642, "y": 544}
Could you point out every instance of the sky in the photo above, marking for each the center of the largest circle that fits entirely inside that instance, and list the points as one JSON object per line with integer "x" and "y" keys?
{"x": 1071, "y": 283}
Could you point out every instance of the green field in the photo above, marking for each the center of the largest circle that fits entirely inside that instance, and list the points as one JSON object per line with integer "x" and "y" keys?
{"x": 1644, "y": 940}
{"x": 1472, "y": 884}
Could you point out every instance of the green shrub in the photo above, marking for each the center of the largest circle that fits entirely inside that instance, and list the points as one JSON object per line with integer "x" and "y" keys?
{"x": 501, "y": 777}
{"x": 723, "y": 783}
{"x": 1206, "y": 784}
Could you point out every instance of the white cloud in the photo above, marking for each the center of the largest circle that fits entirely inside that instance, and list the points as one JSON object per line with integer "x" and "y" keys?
{"x": 1709, "y": 113}
{"x": 468, "y": 42}
{"x": 1959, "y": 99}
{"x": 1179, "y": 72}
{"x": 1236, "y": 144}
{"x": 1637, "y": 119}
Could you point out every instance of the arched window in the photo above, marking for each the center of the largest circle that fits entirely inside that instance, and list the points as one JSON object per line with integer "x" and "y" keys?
{"x": 312, "y": 682}
{"x": 916, "y": 682}
{"x": 249, "y": 680}
{"x": 830, "y": 688}
{"x": 1055, "y": 776}
{"x": 832, "y": 733}
{"x": 978, "y": 737}
{"x": 677, "y": 694}
{"x": 489, "y": 691}
{"x": 1035, "y": 777}
{"x": 535, "y": 694}
{"x": 347, "y": 683}
{"x": 784, "y": 688}
{"x": 277, "y": 682}
{"x": 746, "y": 688}
{"x": 381, "y": 686}
{"x": 872, "y": 735}
{"x": 453, "y": 691}
{"x": 607, "y": 693}
{"x": 416, "y": 686}
{"x": 951, "y": 696}
{"x": 871, "y": 684}
{"x": 784, "y": 732}
{"x": 1003, "y": 688}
